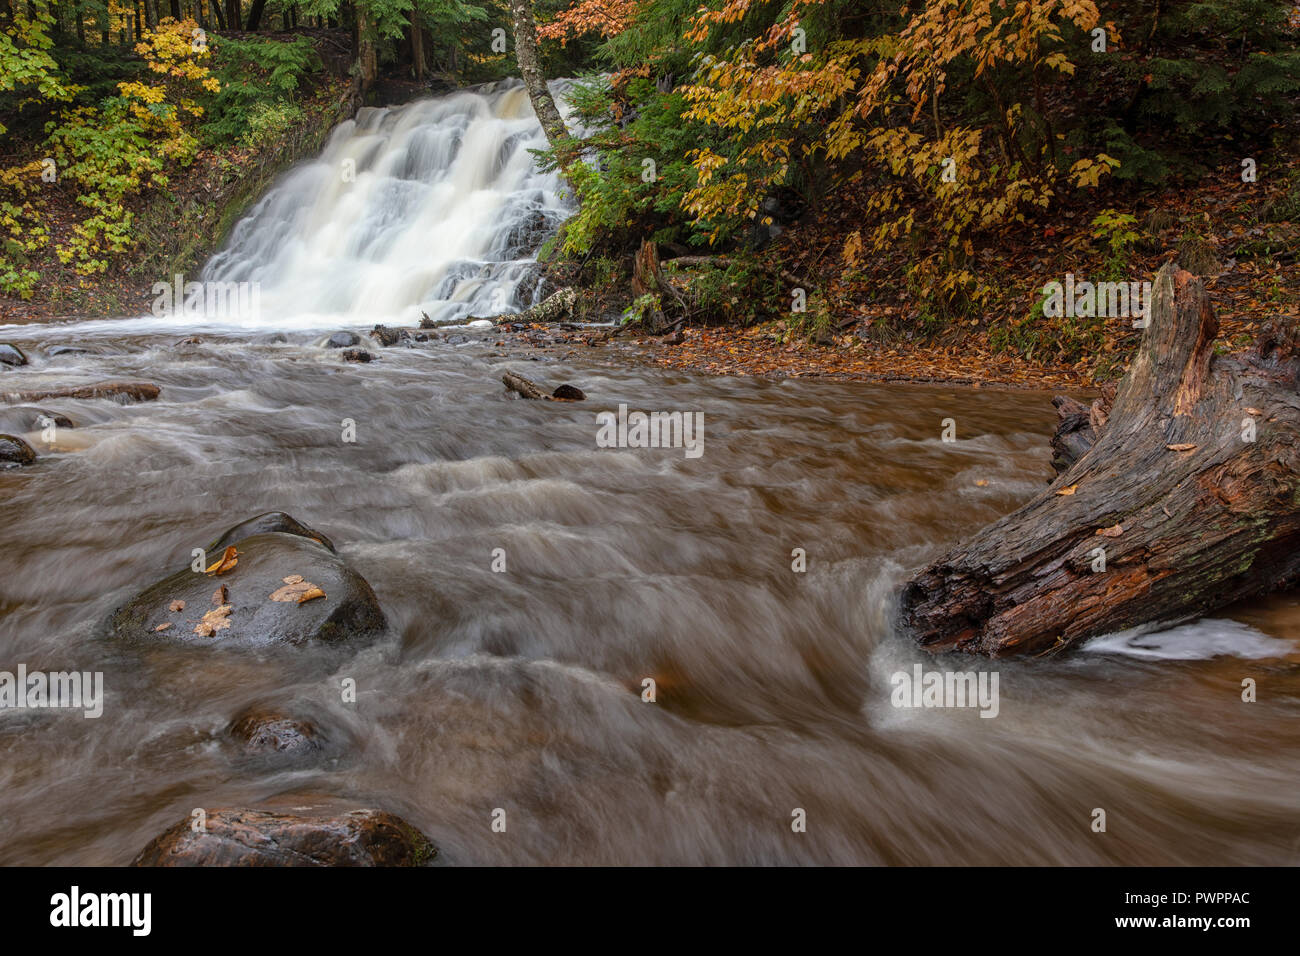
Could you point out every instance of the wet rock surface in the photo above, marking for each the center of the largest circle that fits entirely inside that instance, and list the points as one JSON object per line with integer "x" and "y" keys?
{"x": 342, "y": 340}
{"x": 11, "y": 355}
{"x": 322, "y": 834}
{"x": 118, "y": 391}
{"x": 29, "y": 418}
{"x": 267, "y": 523}
{"x": 14, "y": 452}
{"x": 281, "y": 589}
{"x": 263, "y": 730}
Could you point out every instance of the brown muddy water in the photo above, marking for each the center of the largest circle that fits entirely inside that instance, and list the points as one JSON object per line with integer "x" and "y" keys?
{"x": 522, "y": 690}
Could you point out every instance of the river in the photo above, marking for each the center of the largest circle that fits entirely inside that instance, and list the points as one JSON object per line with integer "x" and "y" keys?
{"x": 521, "y": 689}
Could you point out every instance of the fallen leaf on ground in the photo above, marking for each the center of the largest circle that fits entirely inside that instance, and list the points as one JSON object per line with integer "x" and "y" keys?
{"x": 1253, "y": 411}
{"x": 296, "y": 589}
{"x": 219, "y": 595}
{"x": 1114, "y": 531}
{"x": 1067, "y": 491}
{"x": 176, "y": 606}
{"x": 163, "y": 626}
{"x": 228, "y": 560}
{"x": 981, "y": 483}
{"x": 1181, "y": 446}
{"x": 215, "y": 620}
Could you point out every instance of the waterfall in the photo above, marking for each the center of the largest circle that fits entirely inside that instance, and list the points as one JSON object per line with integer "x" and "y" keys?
{"x": 435, "y": 207}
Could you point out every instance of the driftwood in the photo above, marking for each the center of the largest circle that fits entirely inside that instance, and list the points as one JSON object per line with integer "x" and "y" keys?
{"x": 556, "y": 307}
{"x": 130, "y": 391}
{"x": 1185, "y": 497}
{"x": 527, "y": 388}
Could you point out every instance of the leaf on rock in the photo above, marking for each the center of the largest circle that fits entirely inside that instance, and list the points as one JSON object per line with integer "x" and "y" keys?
{"x": 1114, "y": 531}
{"x": 215, "y": 620}
{"x": 311, "y": 595}
{"x": 1067, "y": 490}
{"x": 297, "y": 590}
{"x": 177, "y": 605}
{"x": 1182, "y": 446}
{"x": 983, "y": 482}
{"x": 163, "y": 626}
{"x": 219, "y": 595}
{"x": 228, "y": 560}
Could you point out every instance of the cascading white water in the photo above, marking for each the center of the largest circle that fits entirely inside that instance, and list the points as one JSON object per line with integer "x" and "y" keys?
{"x": 434, "y": 207}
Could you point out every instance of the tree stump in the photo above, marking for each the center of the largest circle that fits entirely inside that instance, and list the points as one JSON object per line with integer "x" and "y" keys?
{"x": 1185, "y": 497}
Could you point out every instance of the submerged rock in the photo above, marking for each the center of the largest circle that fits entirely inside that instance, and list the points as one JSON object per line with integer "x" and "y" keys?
{"x": 54, "y": 351}
{"x": 314, "y": 835}
{"x": 11, "y": 355}
{"x": 342, "y": 340}
{"x": 15, "y": 451}
{"x": 264, "y": 730}
{"x": 29, "y": 418}
{"x": 266, "y": 523}
{"x": 328, "y": 601}
{"x": 357, "y": 355}
{"x": 118, "y": 391}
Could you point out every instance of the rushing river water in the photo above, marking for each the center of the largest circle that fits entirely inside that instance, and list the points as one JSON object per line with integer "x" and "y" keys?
{"x": 521, "y": 690}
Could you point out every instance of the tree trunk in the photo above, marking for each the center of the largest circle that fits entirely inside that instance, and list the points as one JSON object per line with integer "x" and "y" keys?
{"x": 417, "y": 47}
{"x": 216, "y": 15}
{"x": 151, "y": 13}
{"x": 232, "y": 15}
{"x": 1185, "y": 497}
{"x": 367, "y": 64}
{"x": 176, "y": 10}
{"x": 530, "y": 67}
{"x": 255, "y": 15}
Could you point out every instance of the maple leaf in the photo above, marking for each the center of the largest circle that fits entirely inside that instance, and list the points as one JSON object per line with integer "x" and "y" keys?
{"x": 227, "y": 561}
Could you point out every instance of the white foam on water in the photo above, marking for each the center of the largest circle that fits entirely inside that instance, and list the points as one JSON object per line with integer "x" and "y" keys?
{"x": 1199, "y": 640}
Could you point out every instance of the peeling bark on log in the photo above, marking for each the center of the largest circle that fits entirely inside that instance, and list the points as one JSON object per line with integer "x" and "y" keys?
{"x": 1188, "y": 514}
{"x": 128, "y": 391}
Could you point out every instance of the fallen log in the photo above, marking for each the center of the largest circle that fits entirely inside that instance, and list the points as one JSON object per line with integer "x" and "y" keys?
{"x": 527, "y": 388}
{"x": 556, "y": 307}
{"x": 1185, "y": 497}
{"x": 129, "y": 391}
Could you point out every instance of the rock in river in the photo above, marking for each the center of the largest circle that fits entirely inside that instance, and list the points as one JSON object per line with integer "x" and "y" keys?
{"x": 342, "y": 340}
{"x": 267, "y": 522}
{"x": 15, "y": 451}
{"x": 11, "y": 355}
{"x": 319, "y": 835}
{"x": 281, "y": 589}
{"x": 266, "y": 730}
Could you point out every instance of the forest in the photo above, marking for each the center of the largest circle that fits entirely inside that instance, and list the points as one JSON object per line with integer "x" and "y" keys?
{"x": 858, "y": 176}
